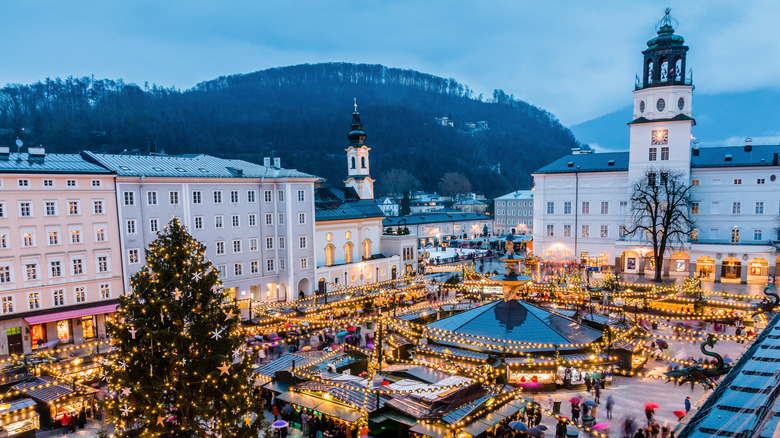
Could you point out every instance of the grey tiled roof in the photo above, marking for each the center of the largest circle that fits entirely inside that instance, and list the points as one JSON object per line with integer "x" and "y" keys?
{"x": 199, "y": 166}
{"x": 49, "y": 163}
{"x": 588, "y": 163}
{"x": 736, "y": 156}
{"x": 433, "y": 217}
{"x": 339, "y": 203}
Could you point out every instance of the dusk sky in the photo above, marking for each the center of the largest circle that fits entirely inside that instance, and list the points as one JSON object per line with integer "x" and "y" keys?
{"x": 575, "y": 59}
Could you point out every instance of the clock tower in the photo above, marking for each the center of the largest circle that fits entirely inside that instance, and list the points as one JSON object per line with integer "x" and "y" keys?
{"x": 357, "y": 159}
{"x": 662, "y": 126}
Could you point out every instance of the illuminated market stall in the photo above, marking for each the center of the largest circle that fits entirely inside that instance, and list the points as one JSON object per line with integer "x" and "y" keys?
{"x": 18, "y": 418}
{"x": 54, "y": 399}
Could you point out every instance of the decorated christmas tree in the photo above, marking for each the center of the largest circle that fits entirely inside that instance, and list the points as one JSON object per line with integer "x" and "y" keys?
{"x": 179, "y": 367}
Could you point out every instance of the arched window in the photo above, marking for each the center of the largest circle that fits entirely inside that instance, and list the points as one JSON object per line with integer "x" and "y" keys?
{"x": 363, "y": 162}
{"x": 650, "y": 71}
{"x": 330, "y": 253}
{"x": 664, "y": 69}
{"x": 678, "y": 70}
{"x": 366, "y": 249}
{"x": 348, "y": 252}
{"x": 353, "y": 162}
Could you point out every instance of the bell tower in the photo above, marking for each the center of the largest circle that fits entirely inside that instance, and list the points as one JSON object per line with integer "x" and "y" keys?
{"x": 662, "y": 128}
{"x": 358, "y": 175}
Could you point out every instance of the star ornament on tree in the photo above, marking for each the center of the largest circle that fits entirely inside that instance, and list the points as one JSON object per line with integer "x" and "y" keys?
{"x": 224, "y": 369}
{"x": 125, "y": 410}
{"x": 230, "y": 314}
{"x": 160, "y": 420}
{"x": 126, "y": 391}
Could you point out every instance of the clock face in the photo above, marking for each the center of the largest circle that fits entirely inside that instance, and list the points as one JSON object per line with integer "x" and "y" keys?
{"x": 659, "y": 136}
{"x": 660, "y": 105}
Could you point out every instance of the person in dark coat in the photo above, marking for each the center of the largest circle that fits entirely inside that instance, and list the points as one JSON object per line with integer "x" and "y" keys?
{"x": 560, "y": 429}
{"x": 597, "y": 390}
{"x": 537, "y": 417}
{"x": 82, "y": 418}
{"x": 575, "y": 412}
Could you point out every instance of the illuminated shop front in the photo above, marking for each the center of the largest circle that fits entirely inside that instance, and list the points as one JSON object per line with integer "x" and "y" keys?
{"x": 54, "y": 401}
{"x": 38, "y": 336}
{"x": 18, "y": 419}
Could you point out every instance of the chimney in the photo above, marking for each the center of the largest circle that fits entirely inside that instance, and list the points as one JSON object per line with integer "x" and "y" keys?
{"x": 774, "y": 160}
{"x": 36, "y": 151}
{"x": 748, "y": 144}
{"x": 267, "y": 161}
{"x": 277, "y": 163}
{"x": 696, "y": 148}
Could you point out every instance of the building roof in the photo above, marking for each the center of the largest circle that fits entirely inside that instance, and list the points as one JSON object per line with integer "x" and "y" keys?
{"x": 734, "y": 156}
{"x": 197, "y": 166}
{"x": 470, "y": 202}
{"x": 48, "y": 163}
{"x": 517, "y": 321}
{"x": 339, "y": 203}
{"x": 37, "y": 390}
{"x": 588, "y": 163}
{"x": 434, "y": 217}
{"x": 746, "y": 402}
{"x": 517, "y": 194}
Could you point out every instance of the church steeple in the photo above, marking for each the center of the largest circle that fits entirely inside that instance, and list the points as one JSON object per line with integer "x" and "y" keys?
{"x": 664, "y": 61}
{"x": 358, "y": 175}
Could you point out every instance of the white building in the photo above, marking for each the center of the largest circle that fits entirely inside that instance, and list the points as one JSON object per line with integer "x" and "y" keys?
{"x": 437, "y": 228}
{"x": 389, "y": 207}
{"x": 582, "y": 200}
{"x": 514, "y": 212}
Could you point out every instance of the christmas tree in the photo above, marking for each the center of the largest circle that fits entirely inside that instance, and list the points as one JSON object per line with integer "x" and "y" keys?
{"x": 179, "y": 365}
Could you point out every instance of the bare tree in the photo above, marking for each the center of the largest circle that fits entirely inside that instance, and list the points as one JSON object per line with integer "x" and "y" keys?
{"x": 661, "y": 211}
{"x": 454, "y": 185}
{"x": 395, "y": 182}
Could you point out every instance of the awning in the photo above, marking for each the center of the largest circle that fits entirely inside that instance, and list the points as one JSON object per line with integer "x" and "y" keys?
{"x": 493, "y": 418}
{"x": 329, "y": 408}
{"x": 392, "y": 416}
{"x": 277, "y": 386}
{"x": 59, "y": 316}
{"x": 430, "y": 430}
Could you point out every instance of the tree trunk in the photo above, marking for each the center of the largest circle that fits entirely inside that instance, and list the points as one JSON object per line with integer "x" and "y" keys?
{"x": 659, "y": 266}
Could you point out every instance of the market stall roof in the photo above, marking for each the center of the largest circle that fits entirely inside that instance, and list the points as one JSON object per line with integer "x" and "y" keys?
{"x": 397, "y": 340}
{"x": 516, "y": 321}
{"x": 326, "y": 407}
{"x": 44, "y": 394}
{"x": 301, "y": 358}
{"x": 416, "y": 315}
{"x": 351, "y": 394}
{"x": 452, "y": 351}
{"x": 418, "y": 372}
{"x": 431, "y": 430}
{"x": 16, "y": 405}
{"x": 484, "y": 423}
{"x": 597, "y": 318}
{"x": 746, "y": 403}
{"x": 456, "y": 307}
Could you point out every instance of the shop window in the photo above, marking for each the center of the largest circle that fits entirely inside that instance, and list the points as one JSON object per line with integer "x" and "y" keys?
{"x": 88, "y": 327}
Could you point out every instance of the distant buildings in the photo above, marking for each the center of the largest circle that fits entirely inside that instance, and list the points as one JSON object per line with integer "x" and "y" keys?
{"x": 426, "y": 203}
{"x": 471, "y": 206}
{"x": 514, "y": 212}
{"x": 439, "y": 227}
{"x": 389, "y": 206}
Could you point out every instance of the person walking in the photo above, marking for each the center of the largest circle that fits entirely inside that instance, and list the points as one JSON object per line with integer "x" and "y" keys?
{"x": 575, "y": 412}
{"x": 588, "y": 384}
{"x": 82, "y": 417}
{"x": 276, "y": 413}
{"x": 649, "y": 414}
{"x": 640, "y": 433}
{"x": 665, "y": 430}
{"x": 549, "y": 403}
{"x": 610, "y": 405}
{"x": 687, "y": 404}
{"x": 597, "y": 390}
{"x": 560, "y": 429}
{"x": 65, "y": 421}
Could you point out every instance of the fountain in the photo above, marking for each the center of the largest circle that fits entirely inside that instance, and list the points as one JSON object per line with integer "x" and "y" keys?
{"x": 512, "y": 279}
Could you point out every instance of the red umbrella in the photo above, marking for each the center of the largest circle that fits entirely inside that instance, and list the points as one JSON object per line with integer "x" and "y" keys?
{"x": 574, "y": 400}
{"x": 352, "y": 329}
{"x": 679, "y": 414}
{"x": 651, "y": 406}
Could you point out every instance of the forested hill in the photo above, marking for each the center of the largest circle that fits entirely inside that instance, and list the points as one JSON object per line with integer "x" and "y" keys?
{"x": 301, "y": 114}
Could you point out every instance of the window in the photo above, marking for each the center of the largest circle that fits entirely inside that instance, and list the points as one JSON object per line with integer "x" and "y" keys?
{"x": 281, "y": 264}
{"x": 234, "y": 196}
{"x": 250, "y": 196}
{"x": 130, "y": 226}
{"x": 586, "y": 231}
{"x": 269, "y": 265}
{"x": 129, "y": 198}
{"x": 78, "y": 266}
{"x": 585, "y": 207}
{"x": 71, "y": 183}
{"x": 58, "y": 297}
{"x": 267, "y": 196}
{"x": 96, "y": 183}
{"x": 34, "y": 300}
{"x": 31, "y": 271}
{"x": 3, "y": 241}
{"x": 567, "y": 230}
{"x": 695, "y": 234}
{"x": 304, "y": 263}
{"x": 269, "y": 243}
{"x": 217, "y": 197}
{"x": 664, "y": 176}
{"x": 198, "y": 222}
{"x": 220, "y": 248}
{"x": 48, "y": 183}
{"x": 197, "y": 197}
{"x": 28, "y": 239}
{"x": 100, "y": 234}
{"x": 735, "y": 236}
{"x": 2, "y": 209}
{"x": 218, "y": 222}
{"x": 25, "y": 209}
{"x": 23, "y": 183}
{"x": 567, "y": 207}
{"x": 154, "y": 225}
{"x": 550, "y": 208}
{"x": 97, "y": 206}
{"x": 75, "y": 236}
{"x": 694, "y": 182}
{"x": 8, "y": 304}
{"x": 653, "y": 154}
{"x": 758, "y": 234}
{"x": 80, "y": 293}
{"x": 54, "y": 237}
{"x": 694, "y": 208}
{"x": 738, "y": 181}
{"x": 759, "y": 207}
{"x": 550, "y": 230}
{"x": 736, "y": 208}
{"x": 604, "y": 207}
{"x": 253, "y": 244}
{"x": 281, "y": 218}
{"x": 254, "y": 267}
{"x": 281, "y": 195}
{"x": 302, "y": 218}
{"x": 761, "y": 181}
{"x": 73, "y": 208}
{"x": 132, "y": 256}
{"x": 302, "y": 242}
{"x": 236, "y": 246}
{"x": 301, "y": 196}
{"x": 5, "y": 274}
{"x": 51, "y": 208}
{"x": 622, "y": 231}
{"x": 651, "y": 179}
{"x": 604, "y": 231}
{"x": 252, "y": 220}
{"x": 221, "y": 271}
{"x": 105, "y": 291}
{"x": 664, "y": 153}
{"x": 151, "y": 198}
{"x": 102, "y": 263}
{"x": 235, "y": 221}
{"x": 281, "y": 243}
{"x": 238, "y": 269}
{"x": 348, "y": 252}
{"x": 623, "y": 207}
{"x": 173, "y": 197}
{"x": 269, "y": 219}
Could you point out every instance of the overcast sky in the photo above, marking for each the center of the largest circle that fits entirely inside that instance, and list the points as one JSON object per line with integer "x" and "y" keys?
{"x": 576, "y": 59}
